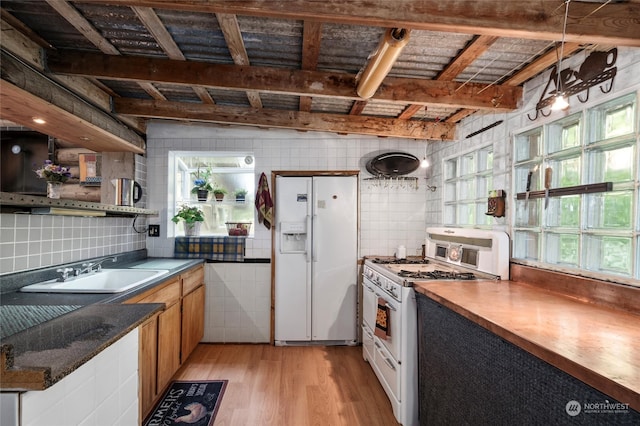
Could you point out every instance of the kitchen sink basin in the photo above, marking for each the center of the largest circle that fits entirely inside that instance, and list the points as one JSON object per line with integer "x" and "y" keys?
{"x": 105, "y": 281}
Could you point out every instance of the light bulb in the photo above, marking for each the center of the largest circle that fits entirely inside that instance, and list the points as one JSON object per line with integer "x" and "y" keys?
{"x": 424, "y": 163}
{"x": 559, "y": 103}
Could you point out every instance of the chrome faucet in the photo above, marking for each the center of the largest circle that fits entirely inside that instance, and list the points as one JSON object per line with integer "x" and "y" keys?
{"x": 88, "y": 268}
{"x": 64, "y": 273}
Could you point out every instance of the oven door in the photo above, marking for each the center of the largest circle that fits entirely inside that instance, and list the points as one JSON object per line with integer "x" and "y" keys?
{"x": 369, "y": 304}
{"x": 393, "y": 341}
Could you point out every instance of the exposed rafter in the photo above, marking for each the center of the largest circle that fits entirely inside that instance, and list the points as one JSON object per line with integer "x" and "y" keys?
{"x": 299, "y": 120}
{"x": 275, "y": 80}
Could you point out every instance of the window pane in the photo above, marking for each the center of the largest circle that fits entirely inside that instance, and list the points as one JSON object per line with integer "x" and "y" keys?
{"x": 615, "y": 165}
{"x": 449, "y": 215}
{"x": 610, "y": 210}
{"x": 563, "y": 135}
{"x": 466, "y": 214}
{"x": 483, "y": 185}
{"x": 562, "y": 249}
{"x": 528, "y": 212}
{"x": 564, "y": 212}
{"x": 485, "y": 160}
{"x": 566, "y": 172}
{"x": 619, "y": 121}
{"x": 525, "y": 245}
{"x": 467, "y": 164}
{"x": 613, "y": 119}
{"x": 528, "y": 146}
{"x": 481, "y": 216}
{"x": 608, "y": 254}
{"x": 467, "y": 189}
{"x": 451, "y": 169}
{"x": 450, "y": 191}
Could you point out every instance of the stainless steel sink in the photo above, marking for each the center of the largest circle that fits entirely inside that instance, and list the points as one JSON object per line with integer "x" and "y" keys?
{"x": 105, "y": 281}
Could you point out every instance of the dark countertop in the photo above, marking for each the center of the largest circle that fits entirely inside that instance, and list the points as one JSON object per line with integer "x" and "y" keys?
{"x": 63, "y": 331}
{"x": 598, "y": 345}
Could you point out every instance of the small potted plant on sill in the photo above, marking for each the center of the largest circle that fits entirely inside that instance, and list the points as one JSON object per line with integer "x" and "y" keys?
{"x": 192, "y": 217}
{"x": 202, "y": 187}
{"x": 240, "y": 193}
{"x": 219, "y": 193}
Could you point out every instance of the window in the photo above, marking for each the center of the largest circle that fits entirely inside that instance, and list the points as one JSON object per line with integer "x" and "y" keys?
{"x": 596, "y": 232}
{"x": 228, "y": 173}
{"x": 468, "y": 179}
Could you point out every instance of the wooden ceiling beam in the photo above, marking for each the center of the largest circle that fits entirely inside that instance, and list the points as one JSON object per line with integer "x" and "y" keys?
{"x": 298, "y": 120}
{"x": 286, "y": 81}
{"x": 466, "y": 57}
{"x": 615, "y": 24}
{"x": 25, "y": 93}
{"x": 311, "y": 40}
{"x": 231, "y": 31}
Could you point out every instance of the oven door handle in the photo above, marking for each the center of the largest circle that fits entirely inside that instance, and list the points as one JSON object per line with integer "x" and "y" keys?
{"x": 393, "y": 308}
{"x": 369, "y": 288}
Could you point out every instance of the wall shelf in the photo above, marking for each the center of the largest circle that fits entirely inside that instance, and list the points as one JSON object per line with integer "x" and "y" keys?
{"x": 569, "y": 190}
{"x": 24, "y": 203}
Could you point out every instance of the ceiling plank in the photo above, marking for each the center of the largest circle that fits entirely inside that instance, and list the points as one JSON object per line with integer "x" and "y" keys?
{"x": 231, "y": 31}
{"x": 298, "y": 120}
{"x": 616, "y": 24}
{"x": 68, "y": 12}
{"x": 410, "y": 111}
{"x": 311, "y": 42}
{"x": 287, "y": 81}
{"x": 79, "y": 22}
{"x": 157, "y": 29}
{"x": 358, "y": 107}
{"x": 166, "y": 42}
{"x": 466, "y": 57}
{"x": 152, "y": 90}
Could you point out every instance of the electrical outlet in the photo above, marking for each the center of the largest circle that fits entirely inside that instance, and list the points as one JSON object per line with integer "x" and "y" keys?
{"x": 154, "y": 230}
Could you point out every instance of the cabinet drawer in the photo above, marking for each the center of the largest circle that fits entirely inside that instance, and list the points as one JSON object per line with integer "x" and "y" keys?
{"x": 169, "y": 293}
{"x": 192, "y": 279}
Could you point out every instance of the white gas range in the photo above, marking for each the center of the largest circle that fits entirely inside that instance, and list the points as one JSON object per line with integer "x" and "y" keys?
{"x": 389, "y": 325}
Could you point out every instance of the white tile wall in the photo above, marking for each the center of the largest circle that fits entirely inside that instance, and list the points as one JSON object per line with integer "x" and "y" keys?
{"x": 36, "y": 241}
{"x": 104, "y": 391}
{"x": 238, "y": 302}
{"x": 388, "y": 217}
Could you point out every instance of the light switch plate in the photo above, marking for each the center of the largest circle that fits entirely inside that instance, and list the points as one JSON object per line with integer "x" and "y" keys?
{"x": 154, "y": 230}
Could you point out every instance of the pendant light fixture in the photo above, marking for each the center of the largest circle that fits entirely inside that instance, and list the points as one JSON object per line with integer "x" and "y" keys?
{"x": 560, "y": 102}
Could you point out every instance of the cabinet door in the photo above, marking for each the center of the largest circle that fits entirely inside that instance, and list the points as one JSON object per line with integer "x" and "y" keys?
{"x": 168, "y": 345}
{"x": 148, "y": 363}
{"x": 192, "y": 321}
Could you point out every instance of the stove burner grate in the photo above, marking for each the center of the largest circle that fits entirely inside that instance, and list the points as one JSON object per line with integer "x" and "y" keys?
{"x": 437, "y": 275}
{"x": 380, "y": 261}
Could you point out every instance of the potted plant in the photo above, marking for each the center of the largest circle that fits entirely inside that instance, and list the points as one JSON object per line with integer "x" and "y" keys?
{"x": 201, "y": 184}
{"x": 240, "y": 194}
{"x": 192, "y": 217}
{"x": 219, "y": 193}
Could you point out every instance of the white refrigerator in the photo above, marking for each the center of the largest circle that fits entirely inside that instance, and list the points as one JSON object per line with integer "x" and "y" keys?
{"x": 316, "y": 254}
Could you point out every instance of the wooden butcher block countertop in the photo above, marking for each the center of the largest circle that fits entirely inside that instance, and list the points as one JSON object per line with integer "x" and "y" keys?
{"x": 598, "y": 345}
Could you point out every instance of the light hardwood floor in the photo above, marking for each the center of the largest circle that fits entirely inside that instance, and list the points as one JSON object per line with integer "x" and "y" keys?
{"x": 291, "y": 386}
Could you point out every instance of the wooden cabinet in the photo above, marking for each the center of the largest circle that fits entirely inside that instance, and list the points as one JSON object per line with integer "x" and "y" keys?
{"x": 192, "y": 321}
{"x": 167, "y": 339}
{"x": 147, "y": 364}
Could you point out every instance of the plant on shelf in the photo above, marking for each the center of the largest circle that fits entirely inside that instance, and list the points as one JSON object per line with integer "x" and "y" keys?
{"x": 55, "y": 176}
{"x": 240, "y": 194}
{"x": 202, "y": 186}
{"x": 219, "y": 193}
{"x": 192, "y": 217}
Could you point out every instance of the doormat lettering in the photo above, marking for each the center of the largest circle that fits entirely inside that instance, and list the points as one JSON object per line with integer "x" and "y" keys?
{"x": 188, "y": 403}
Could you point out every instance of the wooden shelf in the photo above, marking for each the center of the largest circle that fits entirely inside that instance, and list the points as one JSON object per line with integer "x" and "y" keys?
{"x": 25, "y": 202}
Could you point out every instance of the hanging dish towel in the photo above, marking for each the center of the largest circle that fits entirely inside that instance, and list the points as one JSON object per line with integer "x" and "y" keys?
{"x": 264, "y": 204}
{"x": 383, "y": 318}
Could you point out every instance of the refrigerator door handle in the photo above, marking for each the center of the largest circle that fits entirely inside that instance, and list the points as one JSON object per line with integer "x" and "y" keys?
{"x": 307, "y": 244}
{"x": 314, "y": 241}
